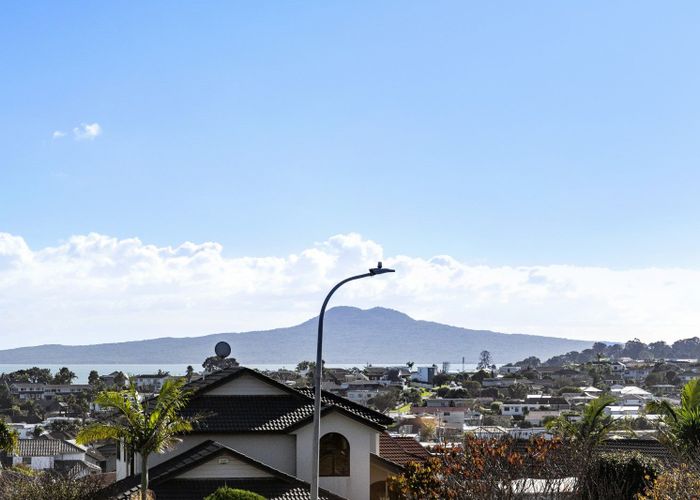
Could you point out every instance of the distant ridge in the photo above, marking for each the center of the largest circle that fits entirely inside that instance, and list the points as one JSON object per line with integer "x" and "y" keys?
{"x": 351, "y": 335}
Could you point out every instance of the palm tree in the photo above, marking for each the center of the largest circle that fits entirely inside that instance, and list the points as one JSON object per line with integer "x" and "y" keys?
{"x": 682, "y": 423}
{"x": 593, "y": 427}
{"x": 147, "y": 427}
{"x": 8, "y": 438}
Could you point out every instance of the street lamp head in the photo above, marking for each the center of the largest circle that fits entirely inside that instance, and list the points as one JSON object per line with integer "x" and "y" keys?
{"x": 380, "y": 270}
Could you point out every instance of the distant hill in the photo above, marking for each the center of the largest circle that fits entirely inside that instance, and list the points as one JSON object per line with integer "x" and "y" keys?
{"x": 351, "y": 335}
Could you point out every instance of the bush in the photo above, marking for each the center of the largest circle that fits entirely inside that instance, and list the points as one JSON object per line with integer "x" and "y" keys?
{"x": 681, "y": 482}
{"x": 226, "y": 493}
{"x": 17, "y": 484}
{"x": 619, "y": 475}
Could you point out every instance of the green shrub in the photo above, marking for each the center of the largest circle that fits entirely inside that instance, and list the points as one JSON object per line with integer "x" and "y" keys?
{"x": 226, "y": 493}
{"x": 619, "y": 475}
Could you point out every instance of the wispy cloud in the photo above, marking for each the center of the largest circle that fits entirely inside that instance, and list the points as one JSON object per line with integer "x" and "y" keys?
{"x": 57, "y": 134}
{"x": 87, "y": 131}
{"x": 96, "y": 288}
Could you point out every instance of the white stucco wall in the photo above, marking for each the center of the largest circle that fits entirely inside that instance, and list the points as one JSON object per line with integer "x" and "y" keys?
{"x": 38, "y": 463}
{"x": 245, "y": 385}
{"x": 362, "y": 441}
{"x": 276, "y": 450}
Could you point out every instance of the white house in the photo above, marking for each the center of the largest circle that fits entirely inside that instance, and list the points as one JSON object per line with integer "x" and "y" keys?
{"x": 42, "y": 453}
{"x": 29, "y": 390}
{"x": 151, "y": 382}
{"x": 255, "y": 433}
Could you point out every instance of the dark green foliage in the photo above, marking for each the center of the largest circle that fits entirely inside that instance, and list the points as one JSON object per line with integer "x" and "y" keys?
{"x": 16, "y": 484}
{"x": 34, "y": 375}
{"x": 226, "y": 493}
{"x": 441, "y": 379}
{"x": 385, "y": 400}
{"x": 620, "y": 475}
{"x": 64, "y": 376}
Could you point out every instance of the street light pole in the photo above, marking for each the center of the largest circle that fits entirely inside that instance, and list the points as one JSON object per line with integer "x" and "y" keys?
{"x": 318, "y": 372}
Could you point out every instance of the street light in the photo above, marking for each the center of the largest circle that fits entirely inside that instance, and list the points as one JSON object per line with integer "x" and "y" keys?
{"x": 319, "y": 369}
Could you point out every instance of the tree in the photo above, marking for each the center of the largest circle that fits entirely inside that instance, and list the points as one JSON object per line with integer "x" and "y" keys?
{"x": 682, "y": 423}
{"x": 485, "y": 361}
{"x": 49, "y": 485}
{"x": 472, "y": 387}
{"x": 8, "y": 438}
{"x": 147, "y": 427}
{"x": 303, "y": 366}
{"x": 34, "y": 375}
{"x": 120, "y": 380}
{"x": 530, "y": 362}
{"x": 94, "y": 377}
{"x": 480, "y": 376}
{"x": 410, "y": 365}
{"x": 66, "y": 426}
{"x": 441, "y": 379}
{"x": 213, "y": 363}
{"x": 517, "y": 391}
{"x": 385, "y": 400}
{"x": 593, "y": 427}
{"x": 64, "y": 376}
{"x": 480, "y": 468}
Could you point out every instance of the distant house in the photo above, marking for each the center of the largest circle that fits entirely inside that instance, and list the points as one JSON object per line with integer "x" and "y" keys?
{"x": 537, "y": 417}
{"x": 42, "y": 454}
{"x": 509, "y": 369}
{"x": 47, "y": 392}
{"x": 425, "y": 374}
{"x": 151, "y": 382}
{"x": 617, "y": 367}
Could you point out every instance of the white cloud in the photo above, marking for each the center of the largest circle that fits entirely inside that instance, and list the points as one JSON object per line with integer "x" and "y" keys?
{"x": 57, "y": 134}
{"x": 87, "y": 131}
{"x": 96, "y": 288}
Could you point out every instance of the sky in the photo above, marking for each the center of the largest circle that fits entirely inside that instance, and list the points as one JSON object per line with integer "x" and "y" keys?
{"x": 181, "y": 168}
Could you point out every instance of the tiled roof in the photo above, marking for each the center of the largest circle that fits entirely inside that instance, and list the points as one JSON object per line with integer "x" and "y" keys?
{"x": 280, "y": 486}
{"x": 248, "y": 413}
{"x": 75, "y": 468}
{"x": 649, "y": 447}
{"x": 270, "y": 413}
{"x": 401, "y": 451}
{"x": 43, "y": 447}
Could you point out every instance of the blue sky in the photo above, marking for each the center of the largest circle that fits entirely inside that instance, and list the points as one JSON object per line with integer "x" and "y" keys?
{"x": 495, "y": 132}
{"x": 498, "y": 133}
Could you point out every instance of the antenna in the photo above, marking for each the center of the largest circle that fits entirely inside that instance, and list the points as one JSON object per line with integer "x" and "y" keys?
{"x": 222, "y": 349}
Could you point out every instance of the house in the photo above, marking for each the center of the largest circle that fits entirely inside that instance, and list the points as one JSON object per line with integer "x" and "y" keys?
{"x": 425, "y": 374}
{"x": 537, "y": 417}
{"x": 47, "y": 392}
{"x": 631, "y": 395}
{"x": 622, "y": 411}
{"x": 509, "y": 369}
{"x": 617, "y": 367}
{"x": 151, "y": 382}
{"x": 42, "y": 453}
{"x": 256, "y": 433}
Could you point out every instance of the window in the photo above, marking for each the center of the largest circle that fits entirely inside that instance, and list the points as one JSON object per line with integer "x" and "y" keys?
{"x": 334, "y": 457}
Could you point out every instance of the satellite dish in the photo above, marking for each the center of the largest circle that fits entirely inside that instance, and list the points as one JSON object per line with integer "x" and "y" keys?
{"x": 222, "y": 349}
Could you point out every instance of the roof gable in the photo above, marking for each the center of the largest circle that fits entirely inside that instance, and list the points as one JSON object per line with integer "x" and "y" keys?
{"x": 245, "y": 385}
{"x": 224, "y": 465}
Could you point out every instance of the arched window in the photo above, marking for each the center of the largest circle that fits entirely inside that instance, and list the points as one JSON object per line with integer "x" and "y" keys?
{"x": 334, "y": 457}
